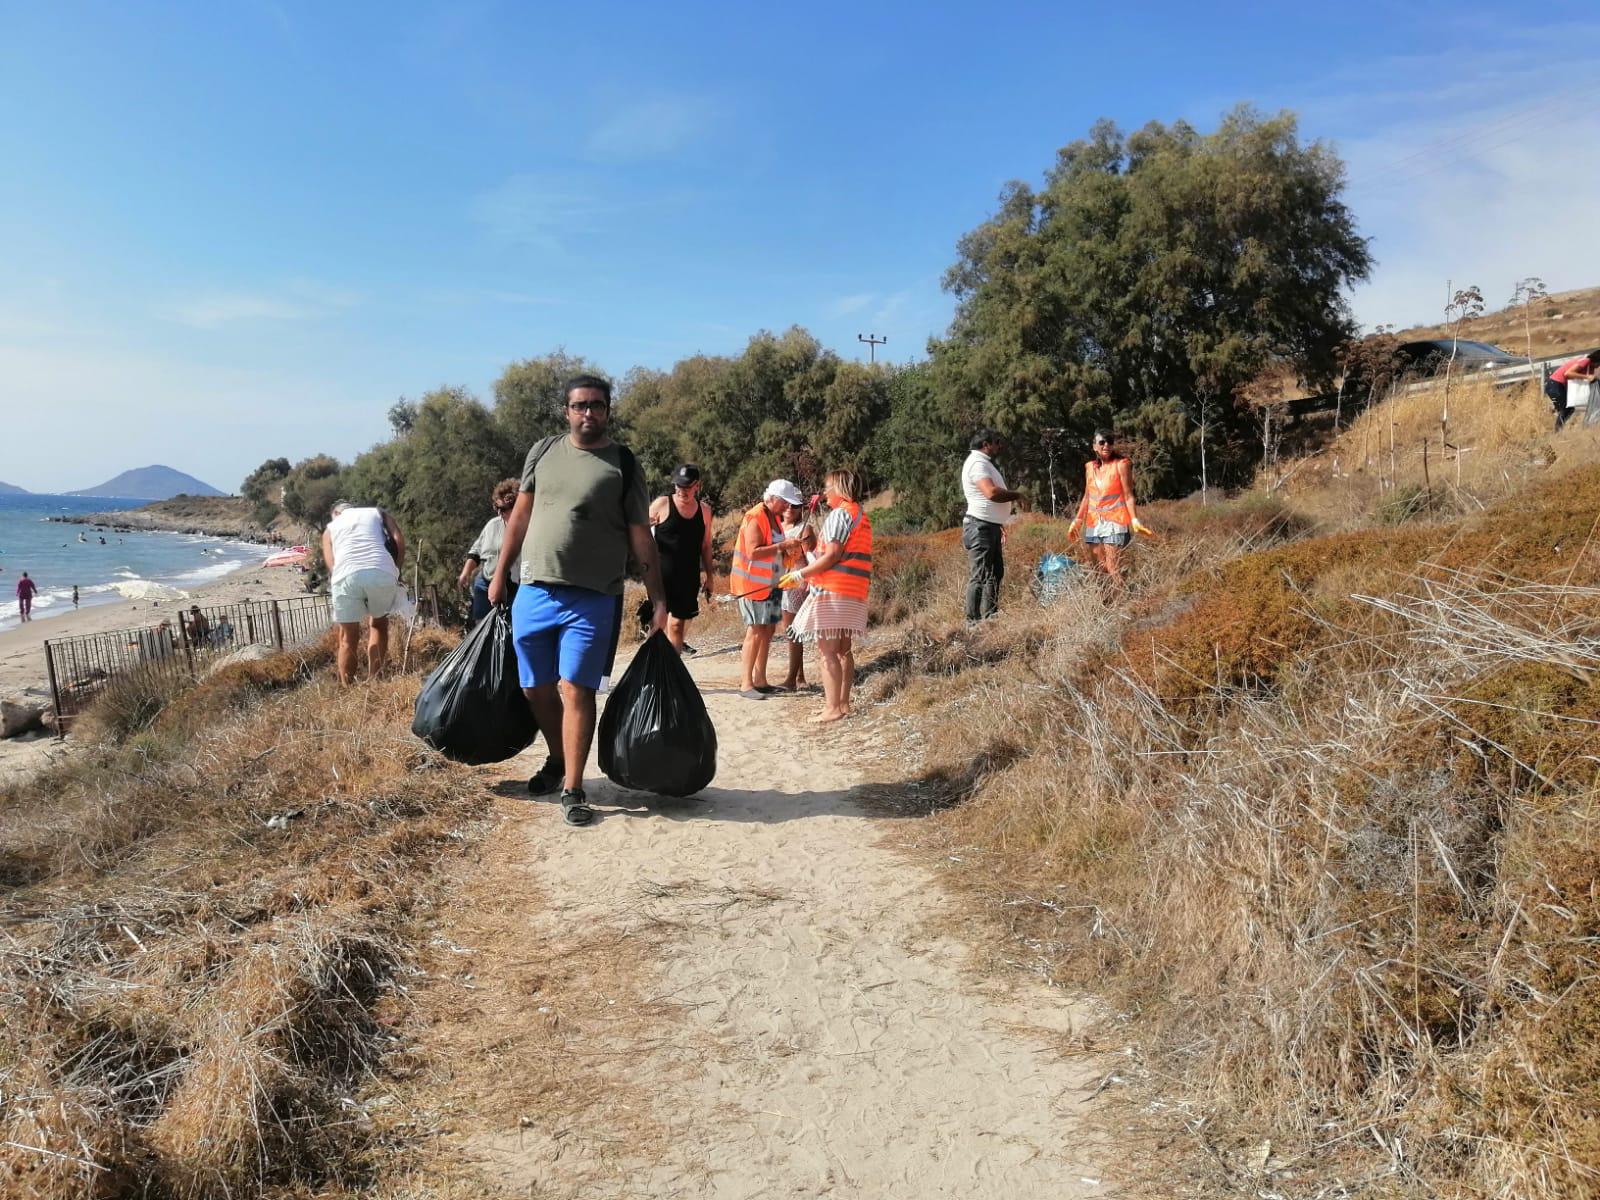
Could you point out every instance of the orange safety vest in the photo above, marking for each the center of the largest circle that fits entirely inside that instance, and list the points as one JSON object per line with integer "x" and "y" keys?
{"x": 754, "y": 578}
{"x": 852, "y": 574}
{"x": 1107, "y": 503}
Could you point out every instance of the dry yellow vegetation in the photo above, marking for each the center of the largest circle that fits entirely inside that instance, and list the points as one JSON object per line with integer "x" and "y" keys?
{"x": 1309, "y": 807}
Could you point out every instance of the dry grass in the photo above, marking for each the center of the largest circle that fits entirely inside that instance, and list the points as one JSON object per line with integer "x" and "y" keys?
{"x": 207, "y": 908}
{"x": 1496, "y": 443}
{"x": 1317, "y": 817}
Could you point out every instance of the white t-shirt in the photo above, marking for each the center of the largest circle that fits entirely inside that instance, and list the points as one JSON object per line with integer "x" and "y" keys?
{"x": 487, "y": 550}
{"x": 980, "y": 466}
{"x": 357, "y": 536}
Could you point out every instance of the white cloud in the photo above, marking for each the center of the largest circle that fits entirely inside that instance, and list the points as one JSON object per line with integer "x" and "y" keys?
{"x": 891, "y": 308}
{"x": 543, "y": 210}
{"x": 1487, "y": 200}
{"x": 79, "y": 411}
{"x": 657, "y": 128}
{"x": 845, "y": 306}
{"x": 299, "y": 301}
{"x": 1467, "y": 166}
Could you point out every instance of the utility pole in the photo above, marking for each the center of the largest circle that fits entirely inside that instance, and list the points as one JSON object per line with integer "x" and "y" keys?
{"x": 873, "y": 341}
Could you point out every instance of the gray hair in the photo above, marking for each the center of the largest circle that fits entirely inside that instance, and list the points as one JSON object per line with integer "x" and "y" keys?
{"x": 338, "y": 507}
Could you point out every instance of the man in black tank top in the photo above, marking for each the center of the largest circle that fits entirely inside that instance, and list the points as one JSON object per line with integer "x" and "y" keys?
{"x": 682, "y": 525}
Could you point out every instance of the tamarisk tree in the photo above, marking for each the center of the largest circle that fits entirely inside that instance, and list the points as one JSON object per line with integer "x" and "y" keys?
{"x": 1151, "y": 277}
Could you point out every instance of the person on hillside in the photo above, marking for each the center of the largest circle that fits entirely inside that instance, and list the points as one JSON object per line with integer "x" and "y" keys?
{"x": 681, "y": 523}
{"x": 835, "y": 613}
{"x": 989, "y": 504}
{"x": 365, "y": 579}
{"x": 26, "y": 588}
{"x": 799, "y": 549}
{"x": 581, "y": 509}
{"x": 753, "y": 580}
{"x": 1582, "y": 369}
{"x": 484, "y": 553}
{"x": 1107, "y": 513}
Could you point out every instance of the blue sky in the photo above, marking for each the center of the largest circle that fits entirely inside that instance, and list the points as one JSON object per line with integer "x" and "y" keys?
{"x": 234, "y": 231}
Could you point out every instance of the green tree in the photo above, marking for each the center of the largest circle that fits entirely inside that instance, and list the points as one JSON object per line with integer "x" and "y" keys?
{"x": 261, "y": 484}
{"x": 920, "y": 446}
{"x": 528, "y": 401}
{"x": 311, "y": 488}
{"x": 1153, "y": 276}
{"x": 435, "y": 478}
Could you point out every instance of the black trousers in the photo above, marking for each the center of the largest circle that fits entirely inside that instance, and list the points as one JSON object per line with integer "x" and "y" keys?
{"x": 1557, "y": 395}
{"x": 986, "y": 567}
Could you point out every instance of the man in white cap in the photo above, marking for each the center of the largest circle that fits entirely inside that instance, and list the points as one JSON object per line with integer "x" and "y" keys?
{"x": 753, "y": 580}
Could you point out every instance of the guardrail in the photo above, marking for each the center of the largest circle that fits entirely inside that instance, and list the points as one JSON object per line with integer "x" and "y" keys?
{"x": 1500, "y": 377}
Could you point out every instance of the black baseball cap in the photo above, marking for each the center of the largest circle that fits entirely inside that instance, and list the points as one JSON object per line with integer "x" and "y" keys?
{"x": 685, "y": 475}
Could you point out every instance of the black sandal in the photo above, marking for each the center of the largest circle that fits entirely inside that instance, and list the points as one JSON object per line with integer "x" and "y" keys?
{"x": 547, "y": 778}
{"x": 575, "y": 807}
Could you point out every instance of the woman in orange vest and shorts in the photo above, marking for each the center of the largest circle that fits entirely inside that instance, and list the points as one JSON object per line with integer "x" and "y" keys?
{"x": 835, "y": 613}
{"x": 1107, "y": 514}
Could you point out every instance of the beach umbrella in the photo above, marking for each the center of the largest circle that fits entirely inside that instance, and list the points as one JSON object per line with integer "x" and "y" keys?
{"x": 148, "y": 589}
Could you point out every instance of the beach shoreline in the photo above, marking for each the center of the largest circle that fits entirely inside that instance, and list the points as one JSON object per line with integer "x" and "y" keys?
{"x": 22, "y": 666}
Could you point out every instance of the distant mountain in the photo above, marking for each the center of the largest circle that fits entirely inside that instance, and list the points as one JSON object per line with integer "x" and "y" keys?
{"x": 151, "y": 483}
{"x": 11, "y": 489}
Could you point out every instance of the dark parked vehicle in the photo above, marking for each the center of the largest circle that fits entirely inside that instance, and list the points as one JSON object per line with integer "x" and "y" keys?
{"x": 1413, "y": 361}
{"x": 1428, "y": 358}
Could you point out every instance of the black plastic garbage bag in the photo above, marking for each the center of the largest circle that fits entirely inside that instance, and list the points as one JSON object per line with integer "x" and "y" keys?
{"x": 471, "y": 708}
{"x": 655, "y": 734}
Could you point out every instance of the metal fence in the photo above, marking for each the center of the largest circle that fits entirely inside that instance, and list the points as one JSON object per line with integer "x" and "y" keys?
{"x": 181, "y": 646}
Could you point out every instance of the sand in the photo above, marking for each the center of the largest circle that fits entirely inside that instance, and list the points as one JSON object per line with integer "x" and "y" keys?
{"x": 829, "y": 1040}
{"x": 22, "y": 667}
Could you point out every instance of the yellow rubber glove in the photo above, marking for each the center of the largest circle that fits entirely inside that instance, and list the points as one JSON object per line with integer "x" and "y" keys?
{"x": 790, "y": 581}
{"x": 1140, "y": 527}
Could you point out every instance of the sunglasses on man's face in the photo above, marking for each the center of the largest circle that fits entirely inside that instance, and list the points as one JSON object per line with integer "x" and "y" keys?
{"x": 585, "y": 406}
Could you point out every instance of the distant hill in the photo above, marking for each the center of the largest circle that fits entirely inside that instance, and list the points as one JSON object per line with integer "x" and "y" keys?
{"x": 151, "y": 483}
{"x": 11, "y": 489}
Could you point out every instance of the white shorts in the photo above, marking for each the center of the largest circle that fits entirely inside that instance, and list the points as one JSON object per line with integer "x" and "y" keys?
{"x": 366, "y": 593}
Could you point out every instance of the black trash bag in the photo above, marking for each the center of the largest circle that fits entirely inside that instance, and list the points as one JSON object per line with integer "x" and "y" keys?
{"x": 655, "y": 734}
{"x": 471, "y": 707}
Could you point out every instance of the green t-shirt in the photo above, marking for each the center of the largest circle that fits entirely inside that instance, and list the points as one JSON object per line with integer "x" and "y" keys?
{"x": 582, "y": 507}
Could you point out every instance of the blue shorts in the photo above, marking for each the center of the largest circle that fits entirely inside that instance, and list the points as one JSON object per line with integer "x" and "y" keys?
{"x": 562, "y": 632}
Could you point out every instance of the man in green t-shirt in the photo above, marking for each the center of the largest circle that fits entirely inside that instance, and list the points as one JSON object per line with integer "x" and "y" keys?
{"x": 582, "y": 508}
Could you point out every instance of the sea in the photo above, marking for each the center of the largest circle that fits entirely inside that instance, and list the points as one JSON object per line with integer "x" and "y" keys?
{"x": 57, "y": 558}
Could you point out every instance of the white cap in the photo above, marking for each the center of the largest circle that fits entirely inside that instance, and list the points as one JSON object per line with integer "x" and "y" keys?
{"x": 783, "y": 490}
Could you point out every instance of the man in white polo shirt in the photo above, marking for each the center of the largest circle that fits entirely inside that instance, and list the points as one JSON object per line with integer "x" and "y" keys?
{"x": 365, "y": 580}
{"x": 989, "y": 504}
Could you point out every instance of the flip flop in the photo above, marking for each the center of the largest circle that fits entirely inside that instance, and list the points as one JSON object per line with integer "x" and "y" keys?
{"x": 753, "y": 694}
{"x": 767, "y": 689}
{"x": 574, "y": 807}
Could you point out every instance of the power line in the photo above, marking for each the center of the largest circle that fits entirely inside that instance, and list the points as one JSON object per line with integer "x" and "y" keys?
{"x": 1447, "y": 151}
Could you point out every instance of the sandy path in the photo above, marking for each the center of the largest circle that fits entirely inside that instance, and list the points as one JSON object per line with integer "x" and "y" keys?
{"x": 827, "y": 1043}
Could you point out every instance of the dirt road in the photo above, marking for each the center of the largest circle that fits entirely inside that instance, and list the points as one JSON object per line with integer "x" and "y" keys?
{"x": 792, "y": 1027}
